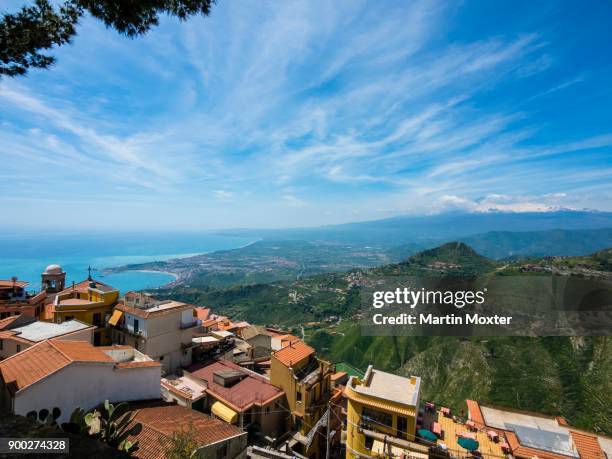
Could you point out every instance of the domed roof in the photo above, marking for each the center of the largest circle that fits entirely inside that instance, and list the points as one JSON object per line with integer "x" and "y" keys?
{"x": 53, "y": 269}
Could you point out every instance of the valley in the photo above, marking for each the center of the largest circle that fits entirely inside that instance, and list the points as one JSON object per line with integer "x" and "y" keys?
{"x": 568, "y": 376}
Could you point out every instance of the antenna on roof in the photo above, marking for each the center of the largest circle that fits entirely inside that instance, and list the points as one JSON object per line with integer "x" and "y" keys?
{"x": 89, "y": 271}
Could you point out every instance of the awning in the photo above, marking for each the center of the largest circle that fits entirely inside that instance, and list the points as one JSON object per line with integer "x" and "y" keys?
{"x": 115, "y": 317}
{"x": 225, "y": 413}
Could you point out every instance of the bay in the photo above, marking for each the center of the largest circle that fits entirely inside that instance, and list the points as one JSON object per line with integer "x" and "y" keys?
{"x": 25, "y": 255}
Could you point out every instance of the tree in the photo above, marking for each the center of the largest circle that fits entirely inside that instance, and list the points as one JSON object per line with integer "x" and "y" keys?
{"x": 182, "y": 445}
{"x": 25, "y": 35}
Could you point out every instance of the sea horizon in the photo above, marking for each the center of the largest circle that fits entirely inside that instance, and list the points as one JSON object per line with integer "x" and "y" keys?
{"x": 25, "y": 256}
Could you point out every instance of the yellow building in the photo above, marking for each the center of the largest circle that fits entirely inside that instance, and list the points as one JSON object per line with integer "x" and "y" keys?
{"x": 306, "y": 382}
{"x": 381, "y": 415}
{"x": 90, "y": 302}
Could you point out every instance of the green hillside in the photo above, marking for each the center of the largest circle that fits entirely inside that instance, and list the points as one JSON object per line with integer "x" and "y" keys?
{"x": 564, "y": 376}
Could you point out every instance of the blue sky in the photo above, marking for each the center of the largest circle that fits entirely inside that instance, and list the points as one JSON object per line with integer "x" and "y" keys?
{"x": 279, "y": 114}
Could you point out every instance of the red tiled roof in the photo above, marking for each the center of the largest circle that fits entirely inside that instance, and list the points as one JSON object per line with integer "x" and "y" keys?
{"x": 33, "y": 364}
{"x": 525, "y": 452}
{"x": 9, "y": 320}
{"x": 13, "y": 336}
{"x": 295, "y": 352}
{"x": 475, "y": 413}
{"x": 42, "y": 359}
{"x": 81, "y": 351}
{"x": 201, "y": 313}
{"x": 251, "y": 390}
{"x": 160, "y": 420}
{"x": 9, "y": 283}
{"x": 209, "y": 322}
{"x": 587, "y": 445}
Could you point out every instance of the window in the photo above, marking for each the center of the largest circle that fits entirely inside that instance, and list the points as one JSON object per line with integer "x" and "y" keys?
{"x": 377, "y": 417}
{"x": 136, "y": 326}
{"x": 299, "y": 396}
{"x": 19, "y": 348}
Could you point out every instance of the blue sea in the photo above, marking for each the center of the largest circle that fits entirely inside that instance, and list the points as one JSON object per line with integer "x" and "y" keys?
{"x": 26, "y": 255}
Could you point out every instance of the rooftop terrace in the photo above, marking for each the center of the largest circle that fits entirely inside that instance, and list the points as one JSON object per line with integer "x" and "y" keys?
{"x": 39, "y": 331}
{"x": 388, "y": 386}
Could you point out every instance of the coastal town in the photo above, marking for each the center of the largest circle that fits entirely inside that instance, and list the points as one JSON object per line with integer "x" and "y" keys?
{"x": 233, "y": 388}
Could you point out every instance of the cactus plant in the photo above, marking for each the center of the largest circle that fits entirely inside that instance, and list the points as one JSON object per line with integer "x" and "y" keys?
{"x": 45, "y": 416}
{"x": 76, "y": 424}
{"x": 112, "y": 425}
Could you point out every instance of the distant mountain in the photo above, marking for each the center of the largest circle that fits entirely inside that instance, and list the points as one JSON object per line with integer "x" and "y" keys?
{"x": 504, "y": 244}
{"x": 444, "y": 227}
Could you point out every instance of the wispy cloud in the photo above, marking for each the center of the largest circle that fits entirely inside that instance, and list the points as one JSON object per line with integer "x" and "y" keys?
{"x": 301, "y": 113}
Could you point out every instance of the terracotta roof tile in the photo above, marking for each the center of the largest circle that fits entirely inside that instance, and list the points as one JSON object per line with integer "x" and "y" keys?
{"x": 295, "y": 352}
{"x": 526, "y": 452}
{"x": 587, "y": 445}
{"x": 6, "y": 322}
{"x": 160, "y": 420}
{"x": 209, "y": 322}
{"x": 9, "y": 283}
{"x": 81, "y": 351}
{"x": 253, "y": 389}
{"x": 13, "y": 336}
{"x": 33, "y": 364}
{"x": 201, "y": 313}
{"x": 475, "y": 413}
{"x": 42, "y": 359}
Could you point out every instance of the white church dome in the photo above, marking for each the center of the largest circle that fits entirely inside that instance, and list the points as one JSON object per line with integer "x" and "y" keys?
{"x": 53, "y": 269}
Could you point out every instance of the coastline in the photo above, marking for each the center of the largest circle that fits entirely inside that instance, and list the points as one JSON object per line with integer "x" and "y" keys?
{"x": 178, "y": 277}
{"x": 175, "y": 275}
